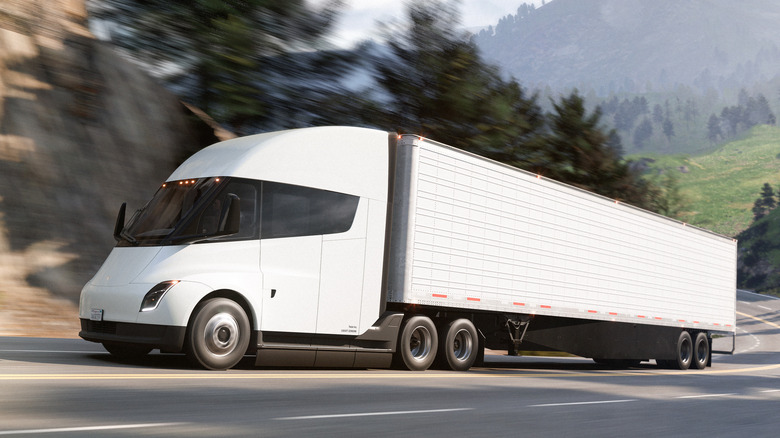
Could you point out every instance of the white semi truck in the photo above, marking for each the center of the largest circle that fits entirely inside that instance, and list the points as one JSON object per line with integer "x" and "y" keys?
{"x": 352, "y": 247}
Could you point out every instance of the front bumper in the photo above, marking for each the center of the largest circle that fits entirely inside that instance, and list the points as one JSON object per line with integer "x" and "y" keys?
{"x": 166, "y": 338}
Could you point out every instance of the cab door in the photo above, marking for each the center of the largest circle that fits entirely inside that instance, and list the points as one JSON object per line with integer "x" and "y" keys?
{"x": 291, "y": 281}
{"x": 295, "y": 223}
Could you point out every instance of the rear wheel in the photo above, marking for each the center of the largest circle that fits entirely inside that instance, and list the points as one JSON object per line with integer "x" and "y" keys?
{"x": 219, "y": 334}
{"x": 417, "y": 344}
{"x": 701, "y": 351}
{"x": 460, "y": 345}
{"x": 684, "y": 351}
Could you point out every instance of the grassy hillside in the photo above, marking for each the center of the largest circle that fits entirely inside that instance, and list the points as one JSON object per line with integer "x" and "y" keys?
{"x": 719, "y": 188}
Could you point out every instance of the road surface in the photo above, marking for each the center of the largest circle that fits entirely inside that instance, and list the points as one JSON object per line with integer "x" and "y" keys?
{"x": 66, "y": 387}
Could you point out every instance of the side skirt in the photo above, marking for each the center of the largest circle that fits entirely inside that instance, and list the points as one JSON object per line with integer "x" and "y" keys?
{"x": 372, "y": 349}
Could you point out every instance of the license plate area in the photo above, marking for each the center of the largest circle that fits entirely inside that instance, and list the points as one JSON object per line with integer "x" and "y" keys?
{"x": 96, "y": 315}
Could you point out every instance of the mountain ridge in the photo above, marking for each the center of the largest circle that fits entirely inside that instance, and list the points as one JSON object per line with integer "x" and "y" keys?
{"x": 633, "y": 46}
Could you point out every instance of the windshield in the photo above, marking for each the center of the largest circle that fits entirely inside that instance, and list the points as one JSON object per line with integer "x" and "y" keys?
{"x": 187, "y": 209}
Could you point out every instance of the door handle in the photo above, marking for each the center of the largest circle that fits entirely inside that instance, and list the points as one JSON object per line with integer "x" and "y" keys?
{"x": 273, "y": 293}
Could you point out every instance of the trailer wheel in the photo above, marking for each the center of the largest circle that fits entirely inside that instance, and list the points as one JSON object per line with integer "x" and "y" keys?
{"x": 218, "y": 335}
{"x": 126, "y": 351}
{"x": 701, "y": 351}
{"x": 417, "y": 344}
{"x": 460, "y": 345}
{"x": 684, "y": 351}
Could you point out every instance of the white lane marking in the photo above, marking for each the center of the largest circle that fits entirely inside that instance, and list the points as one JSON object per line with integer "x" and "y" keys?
{"x": 756, "y": 342}
{"x": 764, "y": 307}
{"x": 371, "y": 414}
{"x": 706, "y": 395}
{"x": 546, "y": 405}
{"x": 86, "y": 428}
{"x": 771, "y": 390}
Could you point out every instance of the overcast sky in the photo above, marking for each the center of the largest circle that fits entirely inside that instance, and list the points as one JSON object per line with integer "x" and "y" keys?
{"x": 359, "y": 19}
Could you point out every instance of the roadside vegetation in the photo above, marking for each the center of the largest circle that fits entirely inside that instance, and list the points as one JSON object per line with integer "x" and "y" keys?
{"x": 717, "y": 190}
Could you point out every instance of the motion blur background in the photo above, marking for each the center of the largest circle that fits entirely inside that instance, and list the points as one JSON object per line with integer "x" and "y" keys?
{"x": 669, "y": 107}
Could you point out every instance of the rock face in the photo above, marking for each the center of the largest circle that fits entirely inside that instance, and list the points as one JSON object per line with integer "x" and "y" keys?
{"x": 81, "y": 131}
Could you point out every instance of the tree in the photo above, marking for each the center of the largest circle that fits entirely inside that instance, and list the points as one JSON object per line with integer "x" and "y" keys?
{"x": 581, "y": 153}
{"x": 658, "y": 114}
{"x": 765, "y": 203}
{"x": 713, "y": 129}
{"x": 768, "y": 197}
{"x": 217, "y": 55}
{"x": 668, "y": 128}
{"x": 438, "y": 86}
{"x": 643, "y": 133}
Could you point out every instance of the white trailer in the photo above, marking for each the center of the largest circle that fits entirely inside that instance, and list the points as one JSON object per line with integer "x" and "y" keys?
{"x": 353, "y": 247}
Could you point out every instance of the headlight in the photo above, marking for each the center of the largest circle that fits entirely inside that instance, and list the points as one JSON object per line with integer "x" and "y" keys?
{"x": 155, "y": 294}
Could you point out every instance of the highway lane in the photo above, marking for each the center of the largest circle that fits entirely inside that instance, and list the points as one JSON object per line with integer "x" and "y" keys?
{"x": 61, "y": 387}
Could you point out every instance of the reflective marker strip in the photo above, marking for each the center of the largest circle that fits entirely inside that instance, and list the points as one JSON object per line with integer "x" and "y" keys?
{"x": 545, "y": 306}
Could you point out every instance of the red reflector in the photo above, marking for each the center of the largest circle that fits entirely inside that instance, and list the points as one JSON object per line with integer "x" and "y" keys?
{"x": 592, "y": 311}
{"x": 641, "y": 316}
{"x": 473, "y": 299}
{"x": 545, "y": 306}
{"x": 613, "y": 313}
{"x": 439, "y": 296}
{"x": 519, "y": 304}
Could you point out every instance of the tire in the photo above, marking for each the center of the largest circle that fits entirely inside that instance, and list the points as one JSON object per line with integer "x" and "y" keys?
{"x": 458, "y": 349}
{"x": 417, "y": 344}
{"x": 127, "y": 351}
{"x": 701, "y": 351}
{"x": 684, "y": 351}
{"x": 218, "y": 335}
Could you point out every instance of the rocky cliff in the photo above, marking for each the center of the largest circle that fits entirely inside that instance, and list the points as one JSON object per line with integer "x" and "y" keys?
{"x": 81, "y": 131}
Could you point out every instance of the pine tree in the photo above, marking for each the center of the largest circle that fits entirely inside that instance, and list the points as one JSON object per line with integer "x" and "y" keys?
{"x": 218, "y": 55}
{"x": 768, "y": 197}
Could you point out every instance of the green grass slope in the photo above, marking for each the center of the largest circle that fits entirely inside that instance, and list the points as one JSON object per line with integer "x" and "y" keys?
{"x": 719, "y": 188}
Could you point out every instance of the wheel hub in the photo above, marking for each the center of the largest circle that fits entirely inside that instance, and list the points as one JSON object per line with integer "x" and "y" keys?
{"x": 221, "y": 334}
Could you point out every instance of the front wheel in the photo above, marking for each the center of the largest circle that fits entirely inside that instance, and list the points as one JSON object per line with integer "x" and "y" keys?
{"x": 218, "y": 335}
{"x": 417, "y": 344}
{"x": 460, "y": 345}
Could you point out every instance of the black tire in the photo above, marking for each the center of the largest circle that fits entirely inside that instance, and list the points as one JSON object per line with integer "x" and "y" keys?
{"x": 126, "y": 351}
{"x": 684, "y": 351}
{"x": 459, "y": 348}
{"x": 417, "y": 344}
{"x": 701, "y": 351}
{"x": 218, "y": 335}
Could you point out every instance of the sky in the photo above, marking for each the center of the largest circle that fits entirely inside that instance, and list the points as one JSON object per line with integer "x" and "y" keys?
{"x": 359, "y": 18}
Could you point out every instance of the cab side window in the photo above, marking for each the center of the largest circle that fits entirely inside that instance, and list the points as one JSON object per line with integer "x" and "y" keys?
{"x": 291, "y": 211}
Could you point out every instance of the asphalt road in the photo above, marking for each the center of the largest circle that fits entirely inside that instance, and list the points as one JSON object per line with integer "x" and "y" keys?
{"x": 65, "y": 387}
